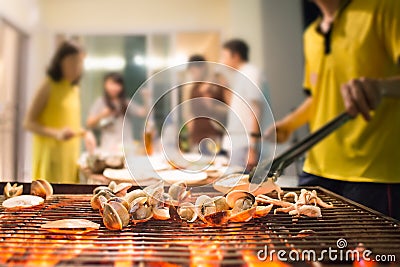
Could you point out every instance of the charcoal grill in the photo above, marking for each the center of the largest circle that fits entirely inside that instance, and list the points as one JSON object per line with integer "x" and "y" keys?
{"x": 169, "y": 243}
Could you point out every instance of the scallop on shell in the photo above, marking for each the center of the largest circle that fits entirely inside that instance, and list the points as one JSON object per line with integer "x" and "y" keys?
{"x": 22, "y": 202}
{"x": 70, "y": 226}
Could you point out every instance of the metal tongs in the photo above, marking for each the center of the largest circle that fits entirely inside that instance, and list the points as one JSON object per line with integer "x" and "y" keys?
{"x": 277, "y": 165}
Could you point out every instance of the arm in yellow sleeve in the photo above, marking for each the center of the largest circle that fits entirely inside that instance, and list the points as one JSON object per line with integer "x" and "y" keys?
{"x": 285, "y": 127}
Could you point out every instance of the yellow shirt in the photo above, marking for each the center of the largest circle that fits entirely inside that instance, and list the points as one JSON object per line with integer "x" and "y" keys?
{"x": 364, "y": 42}
{"x": 53, "y": 160}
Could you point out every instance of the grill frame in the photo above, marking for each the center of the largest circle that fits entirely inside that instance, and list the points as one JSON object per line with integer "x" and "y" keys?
{"x": 154, "y": 242}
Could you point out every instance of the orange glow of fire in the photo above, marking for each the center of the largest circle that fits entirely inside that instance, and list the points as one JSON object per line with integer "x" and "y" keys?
{"x": 38, "y": 254}
{"x": 207, "y": 253}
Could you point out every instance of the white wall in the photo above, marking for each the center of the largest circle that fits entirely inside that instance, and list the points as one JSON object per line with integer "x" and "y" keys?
{"x": 233, "y": 18}
{"x": 246, "y": 22}
{"x": 25, "y": 16}
{"x": 283, "y": 58}
{"x": 283, "y": 53}
{"x": 272, "y": 28}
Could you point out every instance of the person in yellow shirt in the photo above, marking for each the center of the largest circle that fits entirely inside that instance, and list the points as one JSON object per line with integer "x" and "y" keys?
{"x": 54, "y": 118}
{"x": 352, "y": 63}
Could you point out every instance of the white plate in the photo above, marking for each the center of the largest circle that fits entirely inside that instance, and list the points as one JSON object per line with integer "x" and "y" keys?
{"x": 174, "y": 176}
{"x": 118, "y": 174}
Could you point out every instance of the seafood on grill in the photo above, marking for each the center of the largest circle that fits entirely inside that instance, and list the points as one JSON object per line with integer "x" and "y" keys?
{"x": 161, "y": 213}
{"x": 12, "y": 190}
{"x": 140, "y": 210}
{"x": 152, "y": 202}
{"x": 240, "y": 181}
{"x": 70, "y": 226}
{"x": 178, "y": 193}
{"x": 262, "y": 211}
{"x": 41, "y": 188}
{"x": 210, "y": 212}
{"x": 306, "y": 203}
{"x": 115, "y": 214}
{"x": 187, "y": 212}
{"x": 117, "y": 189}
{"x": 243, "y": 205}
{"x": 308, "y": 210}
{"x": 97, "y": 201}
{"x": 22, "y": 202}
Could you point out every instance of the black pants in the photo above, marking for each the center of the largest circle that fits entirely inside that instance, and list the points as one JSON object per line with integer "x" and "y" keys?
{"x": 384, "y": 198}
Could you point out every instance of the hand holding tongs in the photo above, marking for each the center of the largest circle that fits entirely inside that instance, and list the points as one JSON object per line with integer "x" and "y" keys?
{"x": 258, "y": 174}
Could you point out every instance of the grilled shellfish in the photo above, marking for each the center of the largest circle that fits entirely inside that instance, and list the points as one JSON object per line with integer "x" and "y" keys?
{"x": 41, "y": 188}
{"x": 12, "y": 191}
{"x": 243, "y": 205}
{"x": 70, "y": 226}
{"x": 23, "y": 201}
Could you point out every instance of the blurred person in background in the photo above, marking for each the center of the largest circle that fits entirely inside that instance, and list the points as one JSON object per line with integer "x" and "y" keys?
{"x": 108, "y": 111}
{"x": 200, "y": 127}
{"x": 352, "y": 63}
{"x": 235, "y": 54}
{"x": 54, "y": 118}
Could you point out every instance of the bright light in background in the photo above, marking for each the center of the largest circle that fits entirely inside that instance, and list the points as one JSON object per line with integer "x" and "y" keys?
{"x": 104, "y": 63}
{"x": 139, "y": 60}
{"x": 153, "y": 62}
{"x": 179, "y": 58}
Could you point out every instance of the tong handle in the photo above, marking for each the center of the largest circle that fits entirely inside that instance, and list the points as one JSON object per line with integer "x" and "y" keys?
{"x": 290, "y": 155}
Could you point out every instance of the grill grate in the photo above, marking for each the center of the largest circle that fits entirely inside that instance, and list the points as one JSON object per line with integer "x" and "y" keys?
{"x": 168, "y": 243}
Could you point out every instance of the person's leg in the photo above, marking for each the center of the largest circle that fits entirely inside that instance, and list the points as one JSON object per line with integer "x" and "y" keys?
{"x": 307, "y": 179}
{"x": 384, "y": 198}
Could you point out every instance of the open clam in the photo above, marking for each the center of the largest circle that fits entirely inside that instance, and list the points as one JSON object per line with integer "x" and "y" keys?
{"x": 178, "y": 193}
{"x": 161, "y": 213}
{"x": 12, "y": 191}
{"x": 119, "y": 189}
{"x": 131, "y": 196}
{"x": 70, "y": 226}
{"x": 115, "y": 215}
{"x": 243, "y": 205}
{"x": 102, "y": 188}
{"x": 96, "y": 200}
{"x": 155, "y": 193}
{"x": 23, "y": 201}
{"x": 41, "y": 188}
{"x": 207, "y": 211}
{"x": 140, "y": 210}
{"x": 187, "y": 212}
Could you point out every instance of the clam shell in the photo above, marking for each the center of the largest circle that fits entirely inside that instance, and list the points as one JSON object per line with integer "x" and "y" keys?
{"x": 41, "y": 188}
{"x": 178, "y": 192}
{"x": 161, "y": 214}
{"x": 77, "y": 226}
{"x": 119, "y": 200}
{"x": 217, "y": 218}
{"x": 12, "y": 191}
{"x": 139, "y": 204}
{"x": 262, "y": 211}
{"x": 243, "y": 216}
{"x": 187, "y": 212}
{"x": 220, "y": 203}
{"x": 111, "y": 219}
{"x": 121, "y": 211}
{"x": 233, "y": 196}
{"x": 23, "y": 201}
{"x": 212, "y": 218}
{"x": 122, "y": 188}
{"x": 131, "y": 196}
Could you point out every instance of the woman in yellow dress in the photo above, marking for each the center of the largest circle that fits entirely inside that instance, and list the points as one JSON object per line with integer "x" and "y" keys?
{"x": 54, "y": 118}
